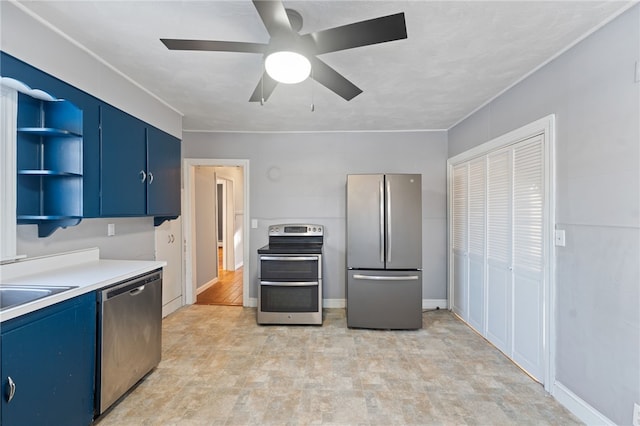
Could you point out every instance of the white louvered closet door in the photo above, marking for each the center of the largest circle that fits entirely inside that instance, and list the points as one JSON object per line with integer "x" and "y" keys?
{"x": 477, "y": 242}
{"x": 460, "y": 238}
{"x": 528, "y": 263}
{"x": 499, "y": 319}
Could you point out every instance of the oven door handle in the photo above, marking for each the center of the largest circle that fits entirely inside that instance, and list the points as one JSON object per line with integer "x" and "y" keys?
{"x": 290, "y": 283}
{"x": 289, "y": 258}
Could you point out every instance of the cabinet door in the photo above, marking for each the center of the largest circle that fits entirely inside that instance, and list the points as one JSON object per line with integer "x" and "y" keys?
{"x": 123, "y": 168}
{"x": 49, "y": 355}
{"x": 163, "y": 183}
{"x": 169, "y": 248}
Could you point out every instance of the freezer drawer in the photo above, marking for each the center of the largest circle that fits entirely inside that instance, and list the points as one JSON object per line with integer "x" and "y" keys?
{"x": 384, "y": 299}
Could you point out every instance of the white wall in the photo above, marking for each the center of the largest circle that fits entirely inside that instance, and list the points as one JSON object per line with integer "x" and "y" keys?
{"x": 301, "y": 177}
{"x": 24, "y": 37}
{"x": 27, "y": 39}
{"x": 592, "y": 91}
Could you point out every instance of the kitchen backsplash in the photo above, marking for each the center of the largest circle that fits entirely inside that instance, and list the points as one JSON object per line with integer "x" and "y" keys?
{"x": 133, "y": 239}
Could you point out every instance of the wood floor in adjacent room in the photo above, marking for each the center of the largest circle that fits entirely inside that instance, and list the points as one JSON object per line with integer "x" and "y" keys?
{"x": 219, "y": 367}
{"x": 227, "y": 291}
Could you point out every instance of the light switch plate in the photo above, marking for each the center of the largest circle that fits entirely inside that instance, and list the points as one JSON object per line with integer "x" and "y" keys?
{"x": 111, "y": 229}
{"x": 560, "y": 238}
{"x": 636, "y": 414}
{"x": 254, "y": 223}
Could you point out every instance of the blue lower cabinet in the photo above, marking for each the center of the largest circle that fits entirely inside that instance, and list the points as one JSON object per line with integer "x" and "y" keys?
{"x": 48, "y": 358}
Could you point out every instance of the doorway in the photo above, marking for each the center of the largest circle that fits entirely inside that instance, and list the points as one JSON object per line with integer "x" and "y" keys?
{"x": 227, "y": 254}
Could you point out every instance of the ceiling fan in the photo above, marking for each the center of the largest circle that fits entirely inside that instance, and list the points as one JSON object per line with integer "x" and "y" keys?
{"x": 283, "y": 26}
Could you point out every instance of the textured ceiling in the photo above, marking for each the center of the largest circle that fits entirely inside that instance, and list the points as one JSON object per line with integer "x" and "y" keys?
{"x": 458, "y": 55}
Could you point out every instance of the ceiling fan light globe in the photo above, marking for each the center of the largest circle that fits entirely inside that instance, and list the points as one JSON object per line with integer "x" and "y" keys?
{"x": 287, "y": 67}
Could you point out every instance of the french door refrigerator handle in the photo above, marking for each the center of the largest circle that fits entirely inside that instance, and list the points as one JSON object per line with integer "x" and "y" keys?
{"x": 388, "y": 201}
{"x": 381, "y": 221}
{"x": 386, "y": 278}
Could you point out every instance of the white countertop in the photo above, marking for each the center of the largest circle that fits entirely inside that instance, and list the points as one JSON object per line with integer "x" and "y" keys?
{"x": 82, "y": 269}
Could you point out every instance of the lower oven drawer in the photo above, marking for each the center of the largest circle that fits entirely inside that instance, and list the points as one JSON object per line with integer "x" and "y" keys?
{"x": 289, "y": 296}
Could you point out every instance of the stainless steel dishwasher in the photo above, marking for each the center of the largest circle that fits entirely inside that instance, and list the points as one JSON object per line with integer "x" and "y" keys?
{"x": 130, "y": 334}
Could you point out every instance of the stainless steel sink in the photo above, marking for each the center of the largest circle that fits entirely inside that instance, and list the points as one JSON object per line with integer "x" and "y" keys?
{"x": 15, "y": 295}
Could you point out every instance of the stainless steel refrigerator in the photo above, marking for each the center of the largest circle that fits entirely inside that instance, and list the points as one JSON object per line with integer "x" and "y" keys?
{"x": 384, "y": 251}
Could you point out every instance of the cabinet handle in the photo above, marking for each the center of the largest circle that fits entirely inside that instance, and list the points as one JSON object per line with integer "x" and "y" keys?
{"x": 11, "y": 389}
{"x": 150, "y": 178}
{"x": 169, "y": 239}
{"x": 173, "y": 238}
{"x": 143, "y": 176}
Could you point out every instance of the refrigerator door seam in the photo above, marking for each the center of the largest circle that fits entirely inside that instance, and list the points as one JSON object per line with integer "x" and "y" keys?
{"x": 382, "y": 220}
{"x": 389, "y": 239}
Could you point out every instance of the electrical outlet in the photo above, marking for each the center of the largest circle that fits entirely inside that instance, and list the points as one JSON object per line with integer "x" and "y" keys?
{"x": 560, "y": 238}
{"x": 636, "y": 414}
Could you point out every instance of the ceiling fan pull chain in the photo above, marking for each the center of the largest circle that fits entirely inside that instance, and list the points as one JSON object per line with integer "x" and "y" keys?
{"x": 313, "y": 105}
{"x": 262, "y": 86}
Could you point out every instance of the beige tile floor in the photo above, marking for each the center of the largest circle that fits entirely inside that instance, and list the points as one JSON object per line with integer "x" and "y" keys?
{"x": 219, "y": 368}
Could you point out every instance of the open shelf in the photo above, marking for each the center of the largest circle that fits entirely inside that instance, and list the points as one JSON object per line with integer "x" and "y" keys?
{"x": 48, "y": 131}
{"x": 49, "y": 157}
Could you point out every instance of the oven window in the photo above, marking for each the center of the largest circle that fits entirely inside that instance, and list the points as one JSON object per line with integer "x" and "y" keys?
{"x": 275, "y": 298}
{"x": 294, "y": 268}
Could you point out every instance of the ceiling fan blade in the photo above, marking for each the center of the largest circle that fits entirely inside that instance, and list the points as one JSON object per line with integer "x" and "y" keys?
{"x": 261, "y": 93}
{"x": 214, "y": 46}
{"x": 363, "y": 33}
{"x": 274, "y": 17}
{"x": 332, "y": 80}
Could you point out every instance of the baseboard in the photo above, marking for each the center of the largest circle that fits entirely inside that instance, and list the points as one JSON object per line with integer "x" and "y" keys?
{"x": 581, "y": 409}
{"x": 239, "y": 265}
{"x": 334, "y": 303}
{"x": 206, "y": 286}
{"x": 434, "y": 303}
{"x": 253, "y": 302}
{"x": 172, "y": 306}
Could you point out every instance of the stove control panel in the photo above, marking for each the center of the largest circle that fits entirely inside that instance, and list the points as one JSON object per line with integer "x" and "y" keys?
{"x": 296, "y": 229}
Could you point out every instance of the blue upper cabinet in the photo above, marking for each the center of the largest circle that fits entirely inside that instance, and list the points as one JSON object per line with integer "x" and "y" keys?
{"x": 49, "y": 160}
{"x": 123, "y": 165}
{"x": 33, "y": 77}
{"x": 116, "y": 148}
{"x": 163, "y": 176}
{"x": 140, "y": 167}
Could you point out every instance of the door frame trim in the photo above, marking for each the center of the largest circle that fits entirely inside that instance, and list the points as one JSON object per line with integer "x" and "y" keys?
{"x": 545, "y": 126}
{"x": 189, "y": 165}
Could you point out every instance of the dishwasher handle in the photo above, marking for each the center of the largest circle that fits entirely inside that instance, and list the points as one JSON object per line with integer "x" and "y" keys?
{"x": 133, "y": 287}
{"x": 136, "y": 291}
